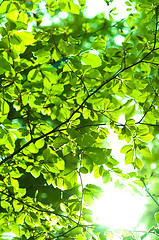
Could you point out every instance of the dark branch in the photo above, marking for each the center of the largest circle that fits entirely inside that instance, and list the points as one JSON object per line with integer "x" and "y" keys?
{"x": 85, "y": 100}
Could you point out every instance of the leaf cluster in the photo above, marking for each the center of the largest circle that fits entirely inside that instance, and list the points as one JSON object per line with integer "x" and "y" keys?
{"x": 63, "y": 88}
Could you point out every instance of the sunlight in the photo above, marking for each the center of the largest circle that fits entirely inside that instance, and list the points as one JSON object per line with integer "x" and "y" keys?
{"x": 115, "y": 144}
{"x": 121, "y": 8}
{"x": 118, "y": 209}
{"x": 119, "y": 39}
{"x": 63, "y": 15}
{"x": 153, "y": 166}
{"x": 9, "y": 235}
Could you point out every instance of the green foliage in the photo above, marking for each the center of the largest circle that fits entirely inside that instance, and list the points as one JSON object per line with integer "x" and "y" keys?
{"x": 63, "y": 87}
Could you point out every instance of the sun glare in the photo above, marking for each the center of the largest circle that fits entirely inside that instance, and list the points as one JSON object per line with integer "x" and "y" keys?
{"x": 118, "y": 209}
{"x": 94, "y": 8}
{"x": 153, "y": 166}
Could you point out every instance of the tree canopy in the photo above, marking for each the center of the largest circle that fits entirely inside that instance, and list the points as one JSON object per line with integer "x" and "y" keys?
{"x": 64, "y": 84}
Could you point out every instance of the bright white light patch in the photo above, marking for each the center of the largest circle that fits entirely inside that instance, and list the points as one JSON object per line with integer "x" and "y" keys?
{"x": 63, "y": 15}
{"x": 119, "y": 39}
{"x": 118, "y": 209}
{"x": 95, "y": 7}
{"x": 8, "y": 235}
{"x": 56, "y": 19}
{"x": 153, "y": 166}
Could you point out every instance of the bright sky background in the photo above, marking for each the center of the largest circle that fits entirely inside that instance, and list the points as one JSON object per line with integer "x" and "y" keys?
{"x": 118, "y": 208}
{"x": 98, "y": 6}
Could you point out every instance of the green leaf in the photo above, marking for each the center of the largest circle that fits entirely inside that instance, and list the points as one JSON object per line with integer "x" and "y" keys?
{"x": 14, "y": 183}
{"x": 35, "y": 75}
{"x": 130, "y": 111}
{"x": 12, "y": 12}
{"x": 126, "y": 148}
{"x": 57, "y": 89}
{"x": 128, "y": 37}
{"x": 26, "y": 37}
{"x": 128, "y": 3}
{"x": 4, "y": 65}
{"x": 99, "y": 171}
{"x": 106, "y": 177}
{"x": 100, "y": 228}
{"x": 91, "y": 59}
{"x": 59, "y": 141}
{"x": 83, "y": 170}
{"x": 94, "y": 190}
{"x": 56, "y": 55}
{"x": 157, "y": 217}
{"x": 35, "y": 171}
{"x": 88, "y": 198}
{"x": 40, "y": 143}
{"x": 69, "y": 6}
{"x": 144, "y": 150}
{"x": 99, "y": 44}
{"x": 146, "y": 138}
{"x": 156, "y": 230}
{"x": 42, "y": 56}
{"x": 150, "y": 118}
{"x": 63, "y": 88}
{"x": 4, "y": 107}
{"x": 6, "y": 205}
{"x": 17, "y": 206}
{"x": 20, "y": 218}
{"x": 60, "y": 164}
{"x": 138, "y": 163}
{"x": 4, "y": 7}
{"x": 98, "y": 155}
{"x": 32, "y": 148}
{"x": 70, "y": 180}
{"x": 15, "y": 228}
{"x": 129, "y": 157}
{"x": 80, "y": 237}
{"x": 145, "y": 68}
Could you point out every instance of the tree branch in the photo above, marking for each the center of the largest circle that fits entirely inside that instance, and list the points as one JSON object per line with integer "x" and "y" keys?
{"x": 147, "y": 190}
{"x": 85, "y": 100}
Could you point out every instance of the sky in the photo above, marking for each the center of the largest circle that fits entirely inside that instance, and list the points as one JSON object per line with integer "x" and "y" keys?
{"x": 98, "y": 6}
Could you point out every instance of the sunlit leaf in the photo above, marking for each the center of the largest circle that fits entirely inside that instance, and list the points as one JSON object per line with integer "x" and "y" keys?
{"x": 157, "y": 217}
{"x": 91, "y": 59}
{"x": 17, "y": 206}
{"x": 106, "y": 177}
{"x": 14, "y": 183}
{"x": 126, "y": 148}
{"x": 138, "y": 163}
{"x": 146, "y": 138}
{"x": 129, "y": 157}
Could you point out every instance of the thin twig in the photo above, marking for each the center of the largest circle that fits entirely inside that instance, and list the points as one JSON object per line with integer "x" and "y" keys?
{"x": 147, "y": 190}
{"x": 81, "y": 197}
{"x": 151, "y": 62}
